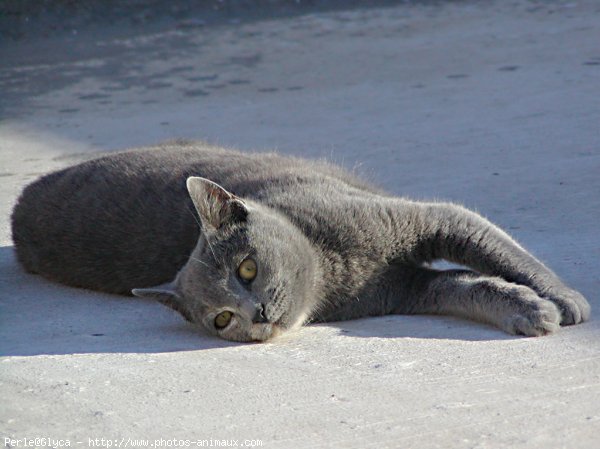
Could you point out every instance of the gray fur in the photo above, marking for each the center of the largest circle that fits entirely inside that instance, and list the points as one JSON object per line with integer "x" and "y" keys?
{"x": 327, "y": 245}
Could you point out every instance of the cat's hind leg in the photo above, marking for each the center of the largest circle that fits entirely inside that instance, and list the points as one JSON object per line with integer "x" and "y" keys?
{"x": 514, "y": 308}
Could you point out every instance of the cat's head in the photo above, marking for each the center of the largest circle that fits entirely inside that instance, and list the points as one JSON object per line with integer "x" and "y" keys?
{"x": 252, "y": 273}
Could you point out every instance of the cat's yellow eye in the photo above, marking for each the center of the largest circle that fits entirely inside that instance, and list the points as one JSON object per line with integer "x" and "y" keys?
{"x": 247, "y": 270}
{"x": 223, "y": 319}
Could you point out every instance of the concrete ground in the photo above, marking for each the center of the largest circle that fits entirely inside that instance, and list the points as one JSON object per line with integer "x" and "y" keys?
{"x": 491, "y": 104}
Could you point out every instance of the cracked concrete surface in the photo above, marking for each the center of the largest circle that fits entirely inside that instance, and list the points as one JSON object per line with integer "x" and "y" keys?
{"x": 490, "y": 104}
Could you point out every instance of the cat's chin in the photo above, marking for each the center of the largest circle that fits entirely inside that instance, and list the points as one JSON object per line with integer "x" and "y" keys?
{"x": 260, "y": 332}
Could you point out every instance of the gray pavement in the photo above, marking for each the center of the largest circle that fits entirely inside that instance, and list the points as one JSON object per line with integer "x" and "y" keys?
{"x": 491, "y": 104}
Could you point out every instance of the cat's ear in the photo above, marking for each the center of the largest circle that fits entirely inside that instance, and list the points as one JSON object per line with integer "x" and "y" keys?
{"x": 165, "y": 294}
{"x": 159, "y": 292}
{"x": 215, "y": 205}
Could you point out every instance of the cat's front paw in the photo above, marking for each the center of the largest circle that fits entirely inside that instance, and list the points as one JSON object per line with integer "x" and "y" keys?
{"x": 540, "y": 317}
{"x": 573, "y": 307}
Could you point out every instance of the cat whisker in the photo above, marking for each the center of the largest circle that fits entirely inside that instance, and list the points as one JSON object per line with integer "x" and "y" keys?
{"x": 199, "y": 261}
{"x": 195, "y": 218}
{"x": 211, "y": 248}
{"x": 200, "y": 227}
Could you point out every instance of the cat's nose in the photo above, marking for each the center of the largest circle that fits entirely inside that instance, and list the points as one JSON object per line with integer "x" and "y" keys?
{"x": 259, "y": 315}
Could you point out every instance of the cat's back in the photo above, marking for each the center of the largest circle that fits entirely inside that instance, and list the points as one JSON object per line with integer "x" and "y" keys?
{"x": 241, "y": 172}
{"x": 120, "y": 175}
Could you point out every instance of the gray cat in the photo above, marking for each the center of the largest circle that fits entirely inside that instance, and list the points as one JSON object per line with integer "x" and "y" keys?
{"x": 250, "y": 245}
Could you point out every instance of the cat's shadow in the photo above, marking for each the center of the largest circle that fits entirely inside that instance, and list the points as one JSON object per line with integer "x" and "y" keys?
{"x": 420, "y": 327}
{"x": 41, "y": 317}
